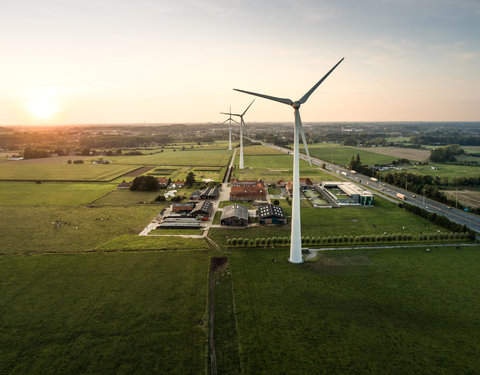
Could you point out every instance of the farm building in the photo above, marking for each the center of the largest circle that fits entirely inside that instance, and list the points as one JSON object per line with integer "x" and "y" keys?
{"x": 210, "y": 193}
{"x": 248, "y": 190}
{"x": 162, "y": 182}
{"x": 179, "y": 184}
{"x": 280, "y": 184}
{"x": 271, "y": 214}
{"x": 347, "y": 193}
{"x": 203, "y": 208}
{"x": 179, "y": 223}
{"x": 196, "y": 195}
{"x": 235, "y": 214}
{"x": 183, "y": 207}
{"x": 306, "y": 182}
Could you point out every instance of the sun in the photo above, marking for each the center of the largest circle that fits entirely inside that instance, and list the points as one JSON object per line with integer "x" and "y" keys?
{"x": 42, "y": 103}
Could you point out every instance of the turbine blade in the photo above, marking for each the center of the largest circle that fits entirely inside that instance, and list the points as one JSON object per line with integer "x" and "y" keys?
{"x": 307, "y": 95}
{"x": 302, "y": 133}
{"x": 224, "y": 113}
{"x": 226, "y": 121}
{"x": 235, "y": 121}
{"x": 248, "y": 107}
{"x": 274, "y": 98}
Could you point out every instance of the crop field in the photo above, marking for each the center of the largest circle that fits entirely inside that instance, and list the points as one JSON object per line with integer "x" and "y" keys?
{"x": 169, "y": 157}
{"x": 339, "y": 221}
{"x": 116, "y": 313}
{"x": 28, "y": 229}
{"x": 63, "y": 172}
{"x": 401, "y": 153}
{"x": 465, "y": 197}
{"x": 343, "y": 154}
{"x": 402, "y": 311}
{"x": 472, "y": 149}
{"x": 51, "y": 193}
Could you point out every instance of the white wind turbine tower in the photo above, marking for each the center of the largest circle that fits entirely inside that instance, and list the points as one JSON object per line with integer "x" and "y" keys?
{"x": 230, "y": 119}
{"x": 296, "y": 235}
{"x": 242, "y": 125}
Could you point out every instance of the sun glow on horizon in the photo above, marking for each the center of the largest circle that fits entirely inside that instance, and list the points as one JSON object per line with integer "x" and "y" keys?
{"x": 42, "y": 103}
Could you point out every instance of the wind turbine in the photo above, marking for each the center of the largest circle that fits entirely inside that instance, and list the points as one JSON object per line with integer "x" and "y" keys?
{"x": 296, "y": 235}
{"x": 242, "y": 124}
{"x": 230, "y": 119}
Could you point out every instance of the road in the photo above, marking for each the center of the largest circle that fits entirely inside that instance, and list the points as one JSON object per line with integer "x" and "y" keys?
{"x": 385, "y": 190}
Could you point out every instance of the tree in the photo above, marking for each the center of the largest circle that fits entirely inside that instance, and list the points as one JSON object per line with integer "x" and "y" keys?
{"x": 160, "y": 198}
{"x": 276, "y": 202}
{"x": 145, "y": 183}
{"x": 190, "y": 180}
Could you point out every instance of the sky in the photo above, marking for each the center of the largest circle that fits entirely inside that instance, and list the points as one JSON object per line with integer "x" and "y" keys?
{"x": 156, "y": 61}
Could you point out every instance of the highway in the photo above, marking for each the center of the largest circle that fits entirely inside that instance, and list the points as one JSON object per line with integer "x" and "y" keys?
{"x": 458, "y": 216}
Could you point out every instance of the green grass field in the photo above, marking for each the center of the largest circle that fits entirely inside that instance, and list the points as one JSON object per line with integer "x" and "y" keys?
{"x": 195, "y": 157}
{"x": 63, "y": 172}
{"x": 446, "y": 170}
{"x": 404, "y": 311}
{"x": 51, "y": 193}
{"x": 121, "y": 313}
{"x": 274, "y": 166}
{"x": 28, "y": 229}
{"x": 133, "y": 242}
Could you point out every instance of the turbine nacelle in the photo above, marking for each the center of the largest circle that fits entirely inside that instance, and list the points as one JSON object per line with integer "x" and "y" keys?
{"x": 296, "y": 105}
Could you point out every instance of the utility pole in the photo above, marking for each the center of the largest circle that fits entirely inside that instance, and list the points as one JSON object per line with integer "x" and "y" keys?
{"x": 406, "y": 180}
{"x": 423, "y": 197}
{"x": 456, "y": 197}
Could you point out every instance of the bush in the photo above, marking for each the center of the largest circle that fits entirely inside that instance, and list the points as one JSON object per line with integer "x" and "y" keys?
{"x": 160, "y": 198}
{"x": 276, "y": 202}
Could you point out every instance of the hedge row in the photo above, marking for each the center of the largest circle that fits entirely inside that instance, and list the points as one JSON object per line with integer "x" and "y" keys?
{"x": 336, "y": 240}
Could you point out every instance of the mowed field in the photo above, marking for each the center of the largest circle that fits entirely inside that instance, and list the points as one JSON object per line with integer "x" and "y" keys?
{"x": 215, "y": 157}
{"x": 117, "y": 313}
{"x": 403, "y": 311}
{"x": 51, "y": 193}
{"x": 273, "y": 166}
{"x": 63, "y": 172}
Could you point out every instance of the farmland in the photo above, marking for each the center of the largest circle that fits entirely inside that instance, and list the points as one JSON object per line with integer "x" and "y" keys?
{"x": 51, "y": 193}
{"x": 141, "y": 313}
{"x": 33, "y": 229}
{"x": 402, "y": 153}
{"x": 370, "y": 312}
{"x": 466, "y": 197}
{"x": 63, "y": 172}
{"x": 178, "y": 157}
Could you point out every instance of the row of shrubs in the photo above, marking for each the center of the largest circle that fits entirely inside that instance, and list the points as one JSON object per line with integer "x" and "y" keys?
{"x": 335, "y": 240}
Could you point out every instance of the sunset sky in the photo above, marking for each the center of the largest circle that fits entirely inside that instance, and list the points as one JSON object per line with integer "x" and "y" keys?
{"x": 155, "y": 61}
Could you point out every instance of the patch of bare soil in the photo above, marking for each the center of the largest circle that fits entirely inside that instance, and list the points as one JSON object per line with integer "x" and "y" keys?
{"x": 344, "y": 264}
{"x": 138, "y": 172}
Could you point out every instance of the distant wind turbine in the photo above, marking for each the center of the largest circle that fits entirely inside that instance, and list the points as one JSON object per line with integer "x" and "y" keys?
{"x": 296, "y": 235}
{"x": 242, "y": 125}
{"x": 230, "y": 119}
